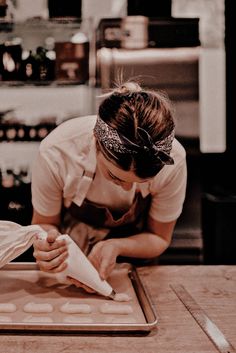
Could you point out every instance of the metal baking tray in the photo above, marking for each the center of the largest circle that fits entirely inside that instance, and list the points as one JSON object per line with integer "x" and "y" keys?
{"x": 22, "y": 283}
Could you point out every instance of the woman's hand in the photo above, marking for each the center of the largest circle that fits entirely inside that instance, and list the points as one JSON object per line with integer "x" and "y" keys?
{"x": 50, "y": 253}
{"x": 103, "y": 256}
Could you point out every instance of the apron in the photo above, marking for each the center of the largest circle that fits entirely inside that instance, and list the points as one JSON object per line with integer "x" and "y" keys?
{"x": 90, "y": 222}
{"x": 87, "y": 222}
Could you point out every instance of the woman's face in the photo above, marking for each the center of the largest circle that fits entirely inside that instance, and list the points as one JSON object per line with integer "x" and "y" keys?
{"x": 118, "y": 176}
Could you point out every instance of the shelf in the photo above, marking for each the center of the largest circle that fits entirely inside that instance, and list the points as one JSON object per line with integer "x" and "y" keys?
{"x": 37, "y": 30}
{"x": 43, "y": 26}
{"x": 55, "y": 83}
{"x": 20, "y": 132}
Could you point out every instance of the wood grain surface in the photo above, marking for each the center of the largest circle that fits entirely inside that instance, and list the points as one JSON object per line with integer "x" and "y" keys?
{"x": 213, "y": 287}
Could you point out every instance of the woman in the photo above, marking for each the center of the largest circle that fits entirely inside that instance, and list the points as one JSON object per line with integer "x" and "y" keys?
{"x": 115, "y": 183}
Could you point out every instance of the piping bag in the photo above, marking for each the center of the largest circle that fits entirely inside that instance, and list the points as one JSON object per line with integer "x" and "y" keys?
{"x": 16, "y": 239}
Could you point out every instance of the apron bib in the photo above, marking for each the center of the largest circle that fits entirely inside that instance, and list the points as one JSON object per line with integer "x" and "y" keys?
{"x": 91, "y": 222}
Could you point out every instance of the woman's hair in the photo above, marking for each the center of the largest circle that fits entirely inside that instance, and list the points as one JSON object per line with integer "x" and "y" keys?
{"x": 144, "y": 123}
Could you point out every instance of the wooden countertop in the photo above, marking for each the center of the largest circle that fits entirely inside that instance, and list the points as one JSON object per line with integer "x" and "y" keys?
{"x": 213, "y": 287}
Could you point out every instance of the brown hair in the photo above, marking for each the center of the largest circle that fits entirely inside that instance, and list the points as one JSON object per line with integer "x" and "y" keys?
{"x": 128, "y": 107}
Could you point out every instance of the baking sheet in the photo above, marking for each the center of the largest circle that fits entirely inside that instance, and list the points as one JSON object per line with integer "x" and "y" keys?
{"x": 22, "y": 283}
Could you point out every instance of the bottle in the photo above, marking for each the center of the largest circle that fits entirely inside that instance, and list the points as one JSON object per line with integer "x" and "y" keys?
{"x": 11, "y": 54}
{"x": 7, "y": 178}
{"x": 28, "y": 67}
{"x": 3, "y": 8}
{"x": 45, "y": 66}
{"x": 7, "y": 11}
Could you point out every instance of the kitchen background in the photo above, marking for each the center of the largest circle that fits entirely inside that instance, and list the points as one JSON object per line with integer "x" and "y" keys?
{"x": 56, "y": 57}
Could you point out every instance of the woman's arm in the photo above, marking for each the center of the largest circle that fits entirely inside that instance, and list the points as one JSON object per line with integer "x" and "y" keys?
{"x": 148, "y": 244}
{"x": 47, "y": 223}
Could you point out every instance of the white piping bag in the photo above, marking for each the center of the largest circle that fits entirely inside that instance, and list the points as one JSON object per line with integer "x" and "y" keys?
{"x": 15, "y": 239}
{"x": 81, "y": 269}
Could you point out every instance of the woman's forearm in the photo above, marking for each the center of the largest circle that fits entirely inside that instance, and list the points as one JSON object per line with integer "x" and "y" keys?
{"x": 142, "y": 245}
{"x": 48, "y": 227}
{"x": 47, "y": 223}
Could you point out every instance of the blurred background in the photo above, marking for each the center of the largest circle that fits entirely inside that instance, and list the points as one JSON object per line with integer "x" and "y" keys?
{"x": 57, "y": 56}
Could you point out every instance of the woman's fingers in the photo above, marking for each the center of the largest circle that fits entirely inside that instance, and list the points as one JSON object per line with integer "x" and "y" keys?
{"x": 50, "y": 243}
{"x": 95, "y": 255}
{"x": 106, "y": 268}
{"x": 56, "y": 264}
{"x": 94, "y": 261}
{"x": 49, "y": 255}
{"x": 52, "y": 235}
{"x": 103, "y": 256}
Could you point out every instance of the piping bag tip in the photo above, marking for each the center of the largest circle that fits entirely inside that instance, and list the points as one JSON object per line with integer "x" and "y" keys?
{"x": 112, "y": 295}
{"x": 119, "y": 297}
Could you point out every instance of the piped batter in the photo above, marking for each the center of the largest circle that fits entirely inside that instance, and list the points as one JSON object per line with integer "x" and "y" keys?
{"x": 120, "y": 320}
{"x": 42, "y": 319}
{"x": 122, "y": 297}
{"x": 78, "y": 320}
{"x": 71, "y": 308}
{"x": 5, "y": 318}
{"x": 32, "y": 307}
{"x": 122, "y": 309}
{"x": 7, "y": 308}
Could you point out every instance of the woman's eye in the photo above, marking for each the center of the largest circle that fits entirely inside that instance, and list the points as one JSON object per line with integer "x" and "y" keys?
{"x": 112, "y": 176}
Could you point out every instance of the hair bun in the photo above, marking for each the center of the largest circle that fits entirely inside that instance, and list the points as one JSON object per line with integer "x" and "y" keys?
{"x": 129, "y": 87}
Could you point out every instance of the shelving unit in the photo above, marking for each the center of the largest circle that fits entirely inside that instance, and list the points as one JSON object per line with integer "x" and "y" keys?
{"x": 30, "y": 109}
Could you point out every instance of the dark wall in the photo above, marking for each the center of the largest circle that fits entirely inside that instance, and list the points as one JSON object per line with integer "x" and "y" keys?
{"x": 159, "y": 8}
{"x": 219, "y": 172}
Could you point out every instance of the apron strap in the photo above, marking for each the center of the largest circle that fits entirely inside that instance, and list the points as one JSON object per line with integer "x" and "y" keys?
{"x": 88, "y": 174}
{"x": 83, "y": 187}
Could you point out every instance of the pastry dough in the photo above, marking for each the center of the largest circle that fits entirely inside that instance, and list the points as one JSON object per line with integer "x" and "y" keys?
{"x": 78, "y": 319}
{"x": 42, "y": 319}
{"x": 116, "y": 309}
{"x": 120, "y": 320}
{"x": 5, "y": 318}
{"x": 70, "y": 308}
{"x": 122, "y": 297}
{"x": 7, "y": 308}
{"x": 38, "y": 307}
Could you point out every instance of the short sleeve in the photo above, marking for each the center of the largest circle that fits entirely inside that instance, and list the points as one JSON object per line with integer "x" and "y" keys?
{"x": 167, "y": 202}
{"x": 45, "y": 187}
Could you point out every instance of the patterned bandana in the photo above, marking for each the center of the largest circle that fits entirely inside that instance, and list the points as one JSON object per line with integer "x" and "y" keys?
{"x": 115, "y": 142}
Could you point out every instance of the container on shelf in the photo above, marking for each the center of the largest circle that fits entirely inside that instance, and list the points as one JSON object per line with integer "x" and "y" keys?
{"x": 55, "y": 50}
{"x": 72, "y": 61}
{"x": 10, "y": 59}
{"x": 134, "y": 31}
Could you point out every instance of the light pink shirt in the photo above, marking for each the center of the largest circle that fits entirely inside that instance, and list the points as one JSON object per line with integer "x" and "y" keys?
{"x": 65, "y": 165}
